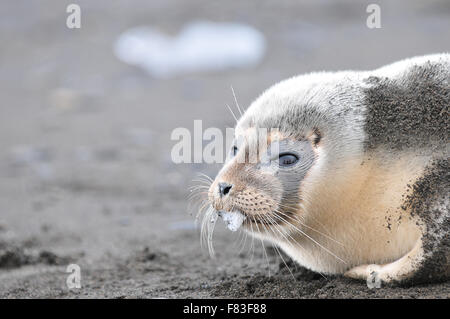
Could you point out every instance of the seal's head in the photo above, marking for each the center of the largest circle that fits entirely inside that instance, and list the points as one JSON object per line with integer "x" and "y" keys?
{"x": 281, "y": 149}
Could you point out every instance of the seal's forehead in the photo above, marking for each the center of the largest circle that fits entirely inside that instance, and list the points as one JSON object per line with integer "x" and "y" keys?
{"x": 299, "y": 104}
{"x": 256, "y": 134}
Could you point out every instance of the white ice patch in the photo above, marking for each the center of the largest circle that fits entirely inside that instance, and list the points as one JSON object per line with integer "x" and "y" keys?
{"x": 200, "y": 46}
{"x": 233, "y": 220}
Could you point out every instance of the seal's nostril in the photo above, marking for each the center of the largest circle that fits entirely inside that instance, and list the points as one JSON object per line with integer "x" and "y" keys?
{"x": 224, "y": 188}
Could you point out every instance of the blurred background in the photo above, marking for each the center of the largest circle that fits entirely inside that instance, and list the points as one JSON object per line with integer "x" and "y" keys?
{"x": 86, "y": 175}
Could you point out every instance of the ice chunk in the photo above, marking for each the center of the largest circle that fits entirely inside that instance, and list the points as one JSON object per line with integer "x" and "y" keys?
{"x": 200, "y": 46}
{"x": 233, "y": 220}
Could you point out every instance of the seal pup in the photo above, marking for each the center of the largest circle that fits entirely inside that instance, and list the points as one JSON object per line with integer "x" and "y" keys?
{"x": 359, "y": 182}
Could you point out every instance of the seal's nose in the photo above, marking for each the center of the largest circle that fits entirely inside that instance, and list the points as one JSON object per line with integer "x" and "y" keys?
{"x": 224, "y": 188}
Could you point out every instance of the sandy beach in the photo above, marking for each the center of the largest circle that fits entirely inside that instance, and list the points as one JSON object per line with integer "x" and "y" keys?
{"x": 86, "y": 175}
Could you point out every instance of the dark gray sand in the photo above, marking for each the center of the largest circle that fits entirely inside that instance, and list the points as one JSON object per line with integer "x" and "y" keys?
{"x": 152, "y": 273}
{"x": 85, "y": 170}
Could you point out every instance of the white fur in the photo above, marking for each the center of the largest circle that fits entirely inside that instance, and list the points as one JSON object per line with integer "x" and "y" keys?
{"x": 345, "y": 203}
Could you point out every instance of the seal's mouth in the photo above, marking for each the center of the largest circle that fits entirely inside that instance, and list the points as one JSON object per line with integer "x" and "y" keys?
{"x": 233, "y": 220}
{"x": 236, "y": 219}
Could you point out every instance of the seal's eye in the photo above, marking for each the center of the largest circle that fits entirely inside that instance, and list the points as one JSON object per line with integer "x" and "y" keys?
{"x": 234, "y": 150}
{"x": 287, "y": 159}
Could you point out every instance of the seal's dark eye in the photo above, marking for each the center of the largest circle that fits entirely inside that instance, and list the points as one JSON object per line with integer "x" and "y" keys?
{"x": 287, "y": 159}
{"x": 234, "y": 150}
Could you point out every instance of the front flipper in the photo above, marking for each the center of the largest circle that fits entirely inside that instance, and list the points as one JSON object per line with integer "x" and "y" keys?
{"x": 397, "y": 271}
{"x": 429, "y": 260}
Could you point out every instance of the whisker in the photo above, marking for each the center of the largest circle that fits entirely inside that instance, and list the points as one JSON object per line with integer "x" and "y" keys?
{"x": 202, "y": 181}
{"x": 232, "y": 112}
{"x": 314, "y": 220}
{"x": 279, "y": 253}
{"x": 204, "y": 175}
{"x": 252, "y": 244}
{"x": 293, "y": 242}
{"x": 245, "y": 242}
{"x": 235, "y": 100}
{"x": 312, "y": 239}
{"x": 309, "y": 227}
{"x": 264, "y": 249}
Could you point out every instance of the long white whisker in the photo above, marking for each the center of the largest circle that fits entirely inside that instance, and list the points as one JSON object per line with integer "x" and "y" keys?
{"x": 312, "y": 239}
{"x": 204, "y": 175}
{"x": 264, "y": 249}
{"x": 232, "y": 112}
{"x": 290, "y": 241}
{"x": 279, "y": 253}
{"x": 252, "y": 245}
{"x": 235, "y": 100}
{"x": 309, "y": 227}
